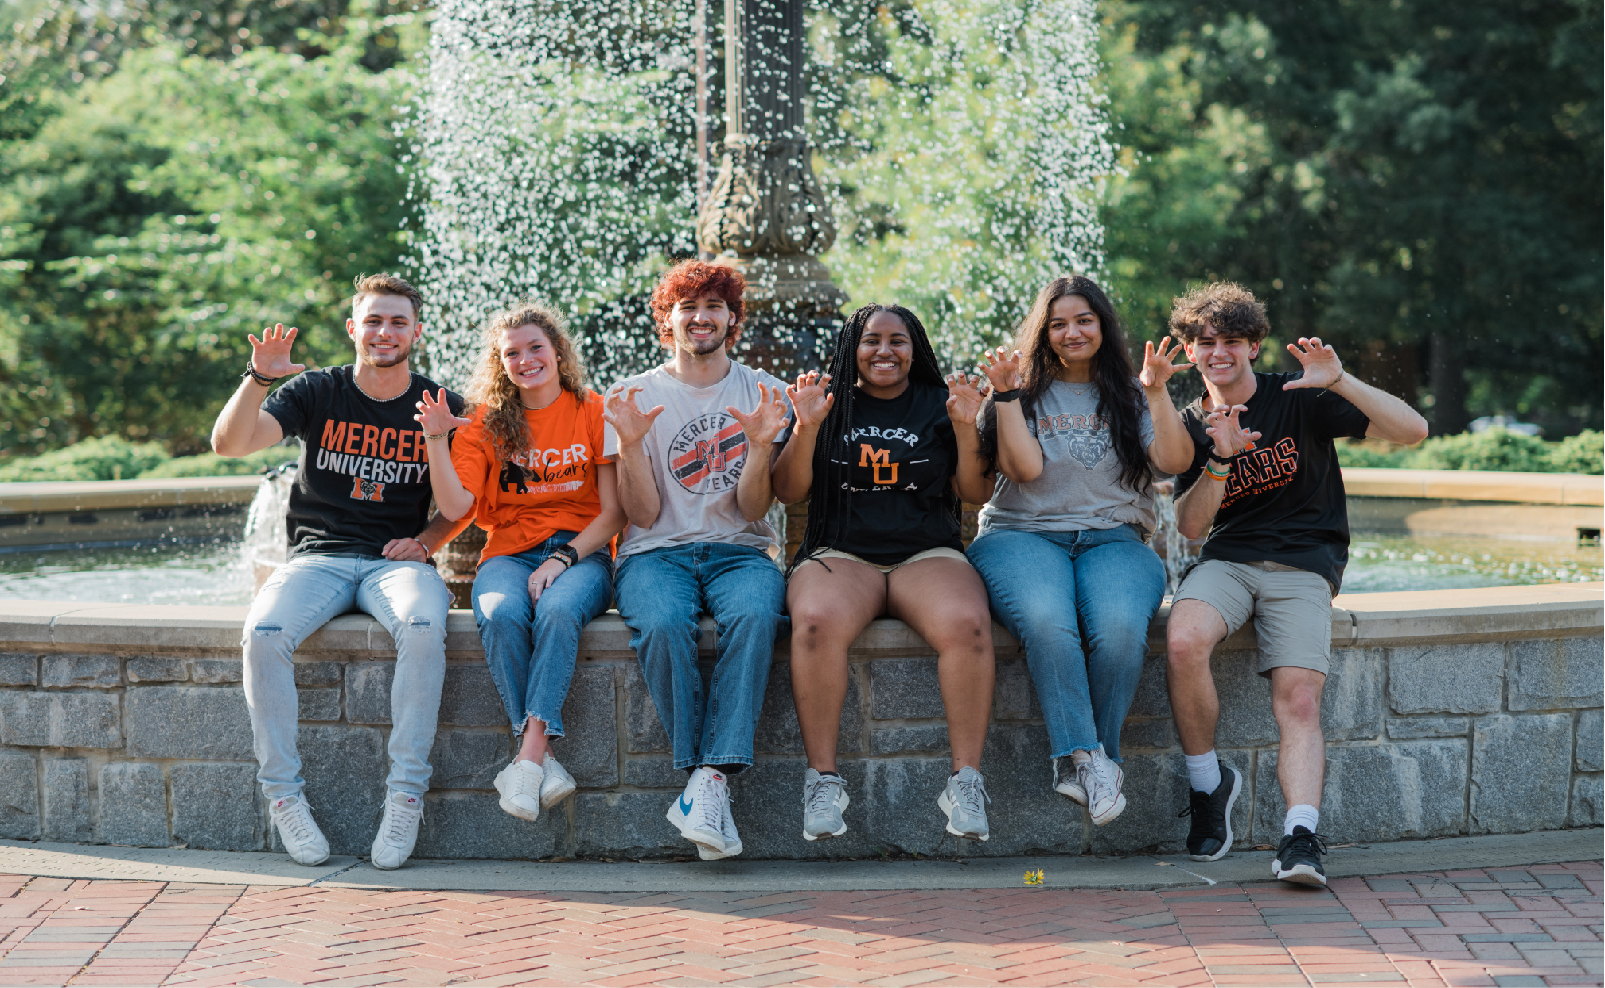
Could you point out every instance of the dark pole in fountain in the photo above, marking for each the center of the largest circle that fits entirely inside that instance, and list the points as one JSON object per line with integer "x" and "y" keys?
{"x": 766, "y": 214}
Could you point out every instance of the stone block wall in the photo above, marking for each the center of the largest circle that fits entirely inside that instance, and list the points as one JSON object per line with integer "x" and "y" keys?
{"x": 1447, "y": 712}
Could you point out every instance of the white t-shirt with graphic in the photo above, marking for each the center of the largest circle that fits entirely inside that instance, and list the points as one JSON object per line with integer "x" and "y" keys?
{"x": 697, "y": 451}
{"x": 1079, "y": 487}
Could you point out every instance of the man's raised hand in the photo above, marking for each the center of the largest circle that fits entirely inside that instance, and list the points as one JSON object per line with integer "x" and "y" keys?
{"x": 964, "y": 397}
{"x": 763, "y": 423}
{"x": 1002, "y": 368}
{"x": 1156, "y": 363}
{"x": 1224, "y": 427}
{"x": 1322, "y": 368}
{"x": 434, "y": 414}
{"x": 811, "y": 399}
{"x": 629, "y": 423}
{"x": 270, "y": 356}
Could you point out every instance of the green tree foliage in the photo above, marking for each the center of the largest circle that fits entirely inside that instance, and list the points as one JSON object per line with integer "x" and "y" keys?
{"x": 153, "y": 216}
{"x": 1493, "y": 449}
{"x": 1416, "y": 181}
{"x": 115, "y": 458}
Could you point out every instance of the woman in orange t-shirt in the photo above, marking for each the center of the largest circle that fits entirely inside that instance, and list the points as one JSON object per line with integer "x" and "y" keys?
{"x": 529, "y": 465}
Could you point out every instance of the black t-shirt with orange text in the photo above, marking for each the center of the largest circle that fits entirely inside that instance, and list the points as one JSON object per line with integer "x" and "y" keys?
{"x": 1284, "y": 502}
{"x": 364, "y": 471}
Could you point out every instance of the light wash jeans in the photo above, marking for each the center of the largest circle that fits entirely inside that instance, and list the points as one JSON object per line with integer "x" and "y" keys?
{"x": 409, "y": 599}
{"x": 1048, "y": 588}
{"x": 662, "y": 593}
{"x": 531, "y": 650}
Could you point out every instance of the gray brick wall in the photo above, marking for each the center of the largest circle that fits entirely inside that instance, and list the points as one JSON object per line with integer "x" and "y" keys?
{"x": 139, "y": 735}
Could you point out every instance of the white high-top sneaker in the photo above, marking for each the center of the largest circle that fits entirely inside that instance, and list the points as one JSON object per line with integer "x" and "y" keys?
{"x": 700, "y": 811}
{"x": 398, "y": 831}
{"x": 298, "y": 832}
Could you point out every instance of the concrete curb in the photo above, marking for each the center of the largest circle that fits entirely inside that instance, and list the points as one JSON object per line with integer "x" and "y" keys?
{"x": 1139, "y": 872}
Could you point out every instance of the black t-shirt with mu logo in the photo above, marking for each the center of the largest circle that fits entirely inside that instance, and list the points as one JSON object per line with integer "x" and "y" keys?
{"x": 902, "y": 455}
{"x": 1284, "y": 501}
{"x": 364, "y": 471}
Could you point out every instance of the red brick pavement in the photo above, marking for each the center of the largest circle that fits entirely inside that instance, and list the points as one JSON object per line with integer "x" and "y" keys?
{"x": 1512, "y": 927}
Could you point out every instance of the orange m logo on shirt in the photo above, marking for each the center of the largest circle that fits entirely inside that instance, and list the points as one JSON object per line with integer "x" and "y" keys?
{"x": 880, "y": 459}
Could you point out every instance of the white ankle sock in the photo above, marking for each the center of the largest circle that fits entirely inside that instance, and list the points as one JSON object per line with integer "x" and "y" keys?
{"x": 1303, "y": 815}
{"x": 1203, "y": 771}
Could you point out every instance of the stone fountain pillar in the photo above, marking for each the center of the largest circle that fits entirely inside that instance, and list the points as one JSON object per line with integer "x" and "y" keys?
{"x": 766, "y": 215}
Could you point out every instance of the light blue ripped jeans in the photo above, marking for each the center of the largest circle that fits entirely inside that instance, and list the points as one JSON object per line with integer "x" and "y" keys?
{"x": 409, "y": 599}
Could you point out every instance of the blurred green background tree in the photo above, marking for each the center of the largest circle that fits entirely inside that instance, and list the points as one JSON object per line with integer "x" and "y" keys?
{"x": 1416, "y": 181}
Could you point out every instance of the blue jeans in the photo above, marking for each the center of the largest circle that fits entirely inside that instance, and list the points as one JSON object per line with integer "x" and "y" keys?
{"x": 409, "y": 599}
{"x": 1115, "y": 583}
{"x": 531, "y": 649}
{"x": 662, "y": 593}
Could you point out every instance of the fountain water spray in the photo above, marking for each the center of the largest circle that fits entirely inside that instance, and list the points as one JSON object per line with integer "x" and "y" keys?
{"x": 959, "y": 145}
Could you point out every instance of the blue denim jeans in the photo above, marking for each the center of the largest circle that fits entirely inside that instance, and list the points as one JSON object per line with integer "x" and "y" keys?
{"x": 1050, "y": 588}
{"x": 409, "y": 599}
{"x": 531, "y": 649}
{"x": 662, "y": 593}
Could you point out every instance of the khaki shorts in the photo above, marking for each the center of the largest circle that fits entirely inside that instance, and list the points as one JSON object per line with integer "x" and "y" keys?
{"x": 941, "y": 552}
{"x": 1291, "y": 608}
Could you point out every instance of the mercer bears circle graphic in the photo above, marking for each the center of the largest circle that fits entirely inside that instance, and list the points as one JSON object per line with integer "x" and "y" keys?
{"x": 706, "y": 455}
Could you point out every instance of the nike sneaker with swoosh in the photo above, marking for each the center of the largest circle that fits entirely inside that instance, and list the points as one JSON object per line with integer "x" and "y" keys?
{"x": 700, "y": 811}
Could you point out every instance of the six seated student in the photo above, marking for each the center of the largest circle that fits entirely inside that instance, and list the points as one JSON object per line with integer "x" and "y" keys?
{"x": 1063, "y": 449}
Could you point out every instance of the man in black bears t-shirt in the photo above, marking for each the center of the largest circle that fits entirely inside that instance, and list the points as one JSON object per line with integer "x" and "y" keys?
{"x": 1266, "y": 485}
{"x": 359, "y": 537}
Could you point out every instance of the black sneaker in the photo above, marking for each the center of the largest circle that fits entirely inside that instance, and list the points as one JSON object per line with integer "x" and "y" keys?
{"x": 1298, "y": 858}
{"x": 1210, "y": 836}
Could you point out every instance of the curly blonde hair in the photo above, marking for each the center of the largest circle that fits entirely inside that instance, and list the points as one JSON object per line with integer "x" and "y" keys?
{"x": 493, "y": 390}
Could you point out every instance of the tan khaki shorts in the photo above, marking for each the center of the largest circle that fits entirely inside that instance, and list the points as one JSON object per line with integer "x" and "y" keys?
{"x": 1291, "y": 608}
{"x": 941, "y": 552}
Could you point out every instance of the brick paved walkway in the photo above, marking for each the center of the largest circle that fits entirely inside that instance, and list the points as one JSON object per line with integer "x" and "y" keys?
{"x": 1512, "y": 927}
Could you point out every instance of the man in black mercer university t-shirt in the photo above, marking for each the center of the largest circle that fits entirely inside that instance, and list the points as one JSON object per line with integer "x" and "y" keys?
{"x": 359, "y": 538}
{"x": 1265, "y": 484}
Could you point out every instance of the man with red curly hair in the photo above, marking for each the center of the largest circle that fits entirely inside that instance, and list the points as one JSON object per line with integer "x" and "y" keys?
{"x": 697, "y": 539}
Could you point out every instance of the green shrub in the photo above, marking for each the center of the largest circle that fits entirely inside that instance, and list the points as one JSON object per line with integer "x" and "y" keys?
{"x": 1352, "y": 454}
{"x": 1582, "y": 453}
{"x": 212, "y": 465}
{"x": 101, "y": 458}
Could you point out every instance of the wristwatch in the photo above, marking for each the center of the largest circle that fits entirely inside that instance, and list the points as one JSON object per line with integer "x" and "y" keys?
{"x": 568, "y": 554}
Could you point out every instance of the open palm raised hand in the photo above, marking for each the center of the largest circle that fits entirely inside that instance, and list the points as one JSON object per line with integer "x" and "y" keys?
{"x": 1322, "y": 368}
{"x": 811, "y": 399}
{"x": 964, "y": 397}
{"x": 434, "y": 414}
{"x": 763, "y": 423}
{"x": 1157, "y": 368}
{"x": 1003, "y": 368}
{"x": 629, "y": 423}
{"x": 270, "y": 356}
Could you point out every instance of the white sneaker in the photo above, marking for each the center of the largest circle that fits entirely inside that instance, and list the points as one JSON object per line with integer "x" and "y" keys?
{"x": 298, "y": 832}
{"x": 398, "y": 831}
{"x": 964, "y": 801}
{"x": 700, "y": 811}
{"x": 1065, "y": 784}
{"x": 556, "y": 784}
{"x": 732, "y": 840}
{"x": 520, "y": 787}
{"x": 1101, "y": 778}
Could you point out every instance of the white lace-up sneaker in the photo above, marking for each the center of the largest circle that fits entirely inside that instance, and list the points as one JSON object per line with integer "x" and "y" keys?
{"x": 824, "y": 799}
{"x": 398, "y": 831}
{"x": 1064, "y": 780}
{"x": 732, "y": 840}
{"x": 964, "y": 801}
{"x": 1101, "y": 778}
{"x": 556, "y": 784}
{"x": 520, "y": 787}
{"x": 700, "y": 811}
{"x": 298, "y": 832}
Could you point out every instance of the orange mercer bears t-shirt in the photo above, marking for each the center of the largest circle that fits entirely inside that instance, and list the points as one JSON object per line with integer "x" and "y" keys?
{"x": 547, "y": 488}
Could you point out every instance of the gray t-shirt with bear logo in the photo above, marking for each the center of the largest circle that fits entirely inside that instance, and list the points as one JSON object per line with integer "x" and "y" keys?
{"x": 1079, "y": 487}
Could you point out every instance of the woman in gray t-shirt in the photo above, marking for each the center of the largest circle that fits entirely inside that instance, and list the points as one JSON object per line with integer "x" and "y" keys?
{"x": 1076, "y": 438}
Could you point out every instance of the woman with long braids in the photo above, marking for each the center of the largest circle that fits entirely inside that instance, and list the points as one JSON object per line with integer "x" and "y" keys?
{"x": 885, "y": 449}
{"x": 529, "y": 466}
{"x": 1076, "y": 436}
